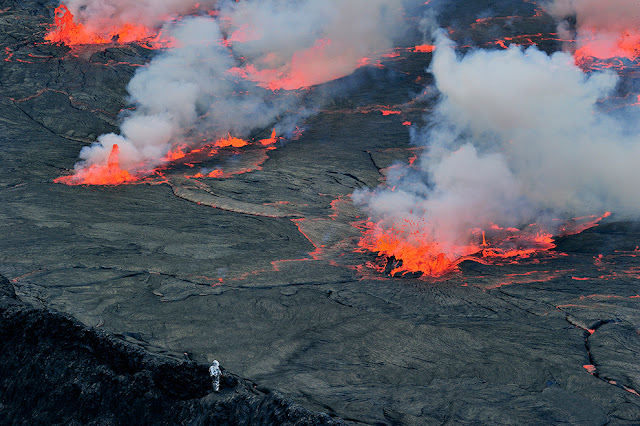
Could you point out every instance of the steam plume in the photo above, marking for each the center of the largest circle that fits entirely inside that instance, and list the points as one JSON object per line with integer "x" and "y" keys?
{"x": 602, "y": 29}
{"x": 312, "y": 42}
{"x": 102, "y": 15}
{"x": 217, "y": 78}
{"x": 516, "y": 138}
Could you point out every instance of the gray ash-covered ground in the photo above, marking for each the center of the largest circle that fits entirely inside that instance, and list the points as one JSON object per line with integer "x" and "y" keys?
{"x": 260, "y": 270}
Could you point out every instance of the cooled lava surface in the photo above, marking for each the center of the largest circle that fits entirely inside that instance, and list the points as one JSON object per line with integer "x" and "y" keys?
{"x": 252, "y": 256}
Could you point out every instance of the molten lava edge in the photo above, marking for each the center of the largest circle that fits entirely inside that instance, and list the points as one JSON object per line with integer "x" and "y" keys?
{"x": 112, "y": 173}
{"x": 66, "y": 30}
{"x": 109, "y": 174}
{"x": 593, "y": 48}
{"x": 418, "y": 252}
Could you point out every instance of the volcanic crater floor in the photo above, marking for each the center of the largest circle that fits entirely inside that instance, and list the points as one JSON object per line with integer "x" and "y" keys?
{"x": 261, "y": 270}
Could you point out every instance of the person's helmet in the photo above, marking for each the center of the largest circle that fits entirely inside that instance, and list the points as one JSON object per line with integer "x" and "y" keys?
{"x": 216, "y": 363}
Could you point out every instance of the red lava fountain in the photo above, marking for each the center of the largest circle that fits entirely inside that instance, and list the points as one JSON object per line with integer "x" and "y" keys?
{"x": 109, "y": 174}
{"x": 271, "y": 139}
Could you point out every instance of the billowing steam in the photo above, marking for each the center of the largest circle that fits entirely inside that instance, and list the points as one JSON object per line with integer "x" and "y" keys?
{"x": 177, "y": 88}
{"x": 603, "y": 29}
{"x": 100, "y": 16}
{"x": 225, "y": 73}
{"x": 517, "y": 139}
{"x": 313, "y": 42}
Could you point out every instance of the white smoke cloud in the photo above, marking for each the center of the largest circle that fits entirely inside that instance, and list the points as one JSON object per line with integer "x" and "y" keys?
{"x": 214, "y": 80}
{"x": 176, "y": 88}
{"x": 516, "y": 138}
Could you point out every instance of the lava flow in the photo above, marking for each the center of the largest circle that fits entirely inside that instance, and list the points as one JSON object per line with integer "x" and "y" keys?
{"x": 66, "y": 30}
{"x": 420, "y": 253}
{"x": 109, "y": 174}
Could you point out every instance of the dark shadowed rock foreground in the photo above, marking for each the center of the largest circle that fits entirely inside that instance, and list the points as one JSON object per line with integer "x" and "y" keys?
{"x": 54, "y": 370}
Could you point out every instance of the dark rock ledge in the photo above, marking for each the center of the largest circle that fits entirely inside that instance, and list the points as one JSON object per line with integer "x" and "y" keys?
{"x": 55, "y": 370}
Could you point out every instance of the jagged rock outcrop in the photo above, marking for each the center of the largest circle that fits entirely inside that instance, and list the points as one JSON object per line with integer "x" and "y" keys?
{"x": 54, "y": 370}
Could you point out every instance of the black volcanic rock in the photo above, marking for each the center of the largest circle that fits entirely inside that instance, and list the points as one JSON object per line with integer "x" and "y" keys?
{"x": 262, "y": 270}
{"x": 54, "y": 370}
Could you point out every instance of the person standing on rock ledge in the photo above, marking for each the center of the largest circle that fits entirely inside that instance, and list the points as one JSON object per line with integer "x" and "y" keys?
{"x": 215, "y": 373}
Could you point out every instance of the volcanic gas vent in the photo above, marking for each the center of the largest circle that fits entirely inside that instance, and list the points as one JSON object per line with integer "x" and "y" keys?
{"x": 474, "y": 192}
{"x": 226, "y": 73}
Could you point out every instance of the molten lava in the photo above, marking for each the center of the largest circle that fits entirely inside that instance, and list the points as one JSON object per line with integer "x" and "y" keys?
{"x": 271, "y": 139}
{"x": 411, "y": 244}
{"x": 231, "y": 141}
{"x": 424, "y": 48}
{"x": 420, "y": 252}
{"x": 66, "y": 30}
{"x": 109, "y": 174}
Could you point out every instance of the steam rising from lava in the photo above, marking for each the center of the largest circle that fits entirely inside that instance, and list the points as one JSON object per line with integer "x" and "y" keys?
{"x": 311, "y": 43}
{"x": 603, "y": 29}
{"x": 224, "y": 74}
{"x": 180, "y": 87}
{"x": 516, "y": 141}
{"x": 101, "y": 16}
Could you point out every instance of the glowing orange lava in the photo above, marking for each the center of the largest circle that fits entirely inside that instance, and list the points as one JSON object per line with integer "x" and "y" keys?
{"x": 109, "y": 174}
{"x": 424, "y": 48}
{"x": 271, "y": 139}
{"x": 66, "y": 30}
{"x": 231, "y": 141}
{"x": 419, "y": 252}
{"x": 174, "y": 155}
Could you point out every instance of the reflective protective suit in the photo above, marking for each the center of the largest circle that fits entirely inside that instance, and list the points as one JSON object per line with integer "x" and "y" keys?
{"x": 215, "y": 373}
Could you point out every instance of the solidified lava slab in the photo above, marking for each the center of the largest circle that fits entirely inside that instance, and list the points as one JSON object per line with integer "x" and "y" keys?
{"x": 261, "y": 272}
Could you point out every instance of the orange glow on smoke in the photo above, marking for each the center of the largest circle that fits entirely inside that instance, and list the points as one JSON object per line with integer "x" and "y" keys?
{"x": 595, "y": 46}
{"x": 308, "y": 67}
{"x": 65, "y": 30}
{"x": 109, "y": 174}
